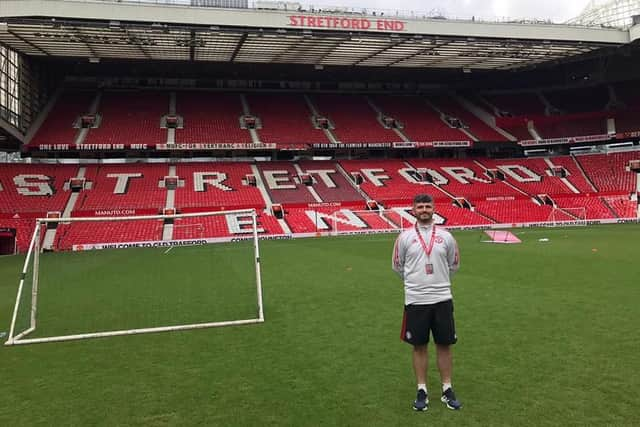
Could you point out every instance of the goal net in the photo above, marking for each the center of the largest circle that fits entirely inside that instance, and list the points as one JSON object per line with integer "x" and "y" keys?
{"x": 99, "y": 277}
{"x": 568, "y": 216}
{"x": 189, "y": 231}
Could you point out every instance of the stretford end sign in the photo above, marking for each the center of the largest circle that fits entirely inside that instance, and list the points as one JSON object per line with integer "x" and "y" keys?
{"x": 346, "y": 23}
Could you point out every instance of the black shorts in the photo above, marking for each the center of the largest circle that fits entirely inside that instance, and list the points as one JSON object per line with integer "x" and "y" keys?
{"x": 437, "y": 318}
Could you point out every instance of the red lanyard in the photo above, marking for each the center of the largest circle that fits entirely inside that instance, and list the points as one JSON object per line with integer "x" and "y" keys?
{"x": 427, "y": 249}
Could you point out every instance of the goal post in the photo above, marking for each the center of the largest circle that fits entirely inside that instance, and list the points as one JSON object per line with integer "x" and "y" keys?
{"x": 24, "y": 278}
{"x": 564, "y": 216}
{"x": 134, "y": 286}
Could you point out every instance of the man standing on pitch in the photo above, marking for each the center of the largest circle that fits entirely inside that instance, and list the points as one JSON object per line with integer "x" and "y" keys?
{"x": 425, "y": 257}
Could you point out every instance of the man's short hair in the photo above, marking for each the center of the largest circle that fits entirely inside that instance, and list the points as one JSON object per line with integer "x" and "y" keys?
{"x": 422, "y": 198}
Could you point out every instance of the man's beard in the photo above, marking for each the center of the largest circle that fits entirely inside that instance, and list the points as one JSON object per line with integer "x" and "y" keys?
{"x": 425, "y": 218}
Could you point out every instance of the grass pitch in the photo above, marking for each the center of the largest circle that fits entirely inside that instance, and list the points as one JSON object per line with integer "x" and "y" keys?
{"x": 547, "y": 335}
{"x": 124, "y": 289}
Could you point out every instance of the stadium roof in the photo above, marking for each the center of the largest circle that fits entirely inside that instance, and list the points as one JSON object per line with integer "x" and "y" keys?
{"x": 614, "y": 13}
{"x": 98, "y": 30}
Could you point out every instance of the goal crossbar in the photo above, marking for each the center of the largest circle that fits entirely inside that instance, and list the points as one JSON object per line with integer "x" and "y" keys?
{"x": 141, "y": 217}
{"x": 34, "y": 252}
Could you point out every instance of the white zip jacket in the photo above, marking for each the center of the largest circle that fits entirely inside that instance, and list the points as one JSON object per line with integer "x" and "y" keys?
{"x": 411, "y": 262}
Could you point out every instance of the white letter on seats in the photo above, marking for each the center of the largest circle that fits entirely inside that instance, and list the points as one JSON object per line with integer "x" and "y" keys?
{"x": 212, "y": 178}
{"x": 123, "y": 181}
{"x": 410, "y": 177}
{"x": 33, "y": 188}
{"x": 274, "y": 181}
{"x": 463, "y": 175}
{"x": 240, "y": 224}
{"x": 437, "y": 177}
{"x": 324, "y": 176}
{"x": 375, "y": 180}
{"x": 323, "y": 220}
{"x": 524, "y": 175}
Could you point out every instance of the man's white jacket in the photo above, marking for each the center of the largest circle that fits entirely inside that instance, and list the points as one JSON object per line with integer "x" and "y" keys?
{"x": 411, "y": 262}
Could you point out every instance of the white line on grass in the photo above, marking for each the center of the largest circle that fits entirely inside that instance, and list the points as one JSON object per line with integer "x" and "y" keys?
{"x": 167, "y": 251}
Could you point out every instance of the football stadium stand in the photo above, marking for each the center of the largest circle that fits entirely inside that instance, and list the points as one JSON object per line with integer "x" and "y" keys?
{"x": 210, "y": 117}
{"x": 79, "y": 233}
{"x": 215, "y": 185}
{"x": 317, "y": 196}
{"x": 58, "y": 128}
{"x": 354, "y": 119}
{"x": 609, "y": 172}
{"x": 130, "y": 117}
{"x": 322, "y": 123}
{"x": 421, "y": 122}
{"x": 286, "y": 119}
{"x": 475, "y": 126}
{"x": 34, "y": 188}
{"x": 283, "y": 183}
{"x": 123, "y": 186}
{"x": 331, "y": 182}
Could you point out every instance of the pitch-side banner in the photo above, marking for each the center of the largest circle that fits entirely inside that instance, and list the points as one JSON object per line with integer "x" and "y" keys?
{"x": 166, "y": 147}
{"x": 432, "y": 144}
{"x": 251, "y": 146}
{"x": 90, "y": 147}
{"x": 240, "y": 238}
{"x": 571, "y": 140}
{"x": 425, "y": 144}
{"x": 185, "y": 242}
{"x": 217, "y": 146}
{"x": 113, "y": 212}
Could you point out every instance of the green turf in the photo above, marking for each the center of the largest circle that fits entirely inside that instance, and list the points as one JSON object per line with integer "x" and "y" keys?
{"x": 142, "y": 288}
{"x": 547, "y": 336}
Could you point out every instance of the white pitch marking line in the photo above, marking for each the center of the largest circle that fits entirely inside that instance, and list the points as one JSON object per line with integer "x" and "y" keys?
{"x": 170, "y": 247}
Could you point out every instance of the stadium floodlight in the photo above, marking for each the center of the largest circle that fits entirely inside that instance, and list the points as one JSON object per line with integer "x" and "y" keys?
{"x": 116, "y": 286}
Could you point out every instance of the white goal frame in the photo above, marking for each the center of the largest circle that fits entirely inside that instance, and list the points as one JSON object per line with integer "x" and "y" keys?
{"x": 35, "y": 248}
{"x": 579, "y": 214}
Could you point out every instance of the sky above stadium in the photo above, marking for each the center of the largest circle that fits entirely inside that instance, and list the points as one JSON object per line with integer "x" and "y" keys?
{"x": 554, "y": 10}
